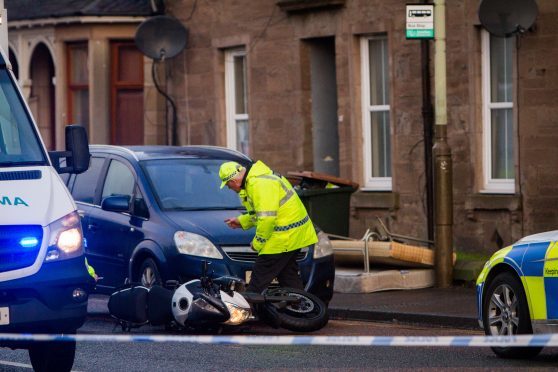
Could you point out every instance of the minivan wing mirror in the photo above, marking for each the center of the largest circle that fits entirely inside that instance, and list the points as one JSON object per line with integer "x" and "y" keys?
{"x": 77, "y": 152}
{"x": 117, "y": 203}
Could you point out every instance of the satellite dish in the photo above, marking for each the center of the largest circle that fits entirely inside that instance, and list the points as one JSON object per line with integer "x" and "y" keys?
{"x": 161, "y": 37}
{"x": 504, "y": 18}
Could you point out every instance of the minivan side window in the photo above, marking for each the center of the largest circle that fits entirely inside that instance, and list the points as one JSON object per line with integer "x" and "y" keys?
{"x": 119, "y": 181}
{"x": 86, "y": 182}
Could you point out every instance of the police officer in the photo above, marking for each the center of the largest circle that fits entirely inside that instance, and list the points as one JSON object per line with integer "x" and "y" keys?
{"x": 282, "y": 224}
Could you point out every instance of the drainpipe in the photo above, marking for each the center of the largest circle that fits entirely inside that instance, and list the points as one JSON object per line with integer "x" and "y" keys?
{"x": 427, "y": 123}
{"x": 443, "y": 188}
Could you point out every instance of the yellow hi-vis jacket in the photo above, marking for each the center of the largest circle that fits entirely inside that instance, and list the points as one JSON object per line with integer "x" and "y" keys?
{"x": 273, "y": 206}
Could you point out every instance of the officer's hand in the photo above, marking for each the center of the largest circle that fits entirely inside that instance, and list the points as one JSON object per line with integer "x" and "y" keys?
{"x": 233, "y": 223}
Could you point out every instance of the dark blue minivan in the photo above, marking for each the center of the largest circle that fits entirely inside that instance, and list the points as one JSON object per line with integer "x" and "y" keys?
{"x": 154, "y": 213}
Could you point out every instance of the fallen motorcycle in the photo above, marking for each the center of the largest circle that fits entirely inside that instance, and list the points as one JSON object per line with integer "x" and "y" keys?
{"x": 206, "y": 303}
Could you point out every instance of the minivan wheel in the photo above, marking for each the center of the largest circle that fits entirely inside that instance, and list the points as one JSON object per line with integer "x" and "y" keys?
{"x": 149, "y": 274}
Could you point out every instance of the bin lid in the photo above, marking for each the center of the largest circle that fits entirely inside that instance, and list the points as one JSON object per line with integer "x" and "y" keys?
{"x": 321, "y": 179}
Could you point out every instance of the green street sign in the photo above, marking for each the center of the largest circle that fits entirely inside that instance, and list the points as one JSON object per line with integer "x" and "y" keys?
{"x": 420, "y": 21}
{"x": 420, "y": 34}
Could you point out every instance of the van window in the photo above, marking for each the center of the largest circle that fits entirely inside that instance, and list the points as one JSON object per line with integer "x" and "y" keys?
{"x": 140, "y": 208}
{"x": 119, "y": 181}
{"x": 86, "y": 182}
{"x": 19, "y": 144}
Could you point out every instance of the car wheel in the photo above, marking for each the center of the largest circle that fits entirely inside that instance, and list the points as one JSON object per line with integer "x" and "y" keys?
{"x": 506, "y": 313}
{"x": 52, "y": 356}
{"x": 149, "y": 273}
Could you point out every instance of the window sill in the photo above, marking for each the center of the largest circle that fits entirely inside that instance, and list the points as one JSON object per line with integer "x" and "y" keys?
{"x": 291, "y": 6}
{"x": 375, "y": 200}
{"x": 492, "y": 202}
{"x": 500, "y": 191}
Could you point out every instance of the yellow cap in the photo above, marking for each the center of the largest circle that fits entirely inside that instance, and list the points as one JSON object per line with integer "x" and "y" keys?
{"x": 228, "y": 171}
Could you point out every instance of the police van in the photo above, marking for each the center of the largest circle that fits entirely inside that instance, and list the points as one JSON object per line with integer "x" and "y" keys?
{"x": 44, "y": 282}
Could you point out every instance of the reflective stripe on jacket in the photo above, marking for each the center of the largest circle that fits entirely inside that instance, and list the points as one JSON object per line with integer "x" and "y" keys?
{"x": 90, "y": 269}
{"x": 273, "y": 206}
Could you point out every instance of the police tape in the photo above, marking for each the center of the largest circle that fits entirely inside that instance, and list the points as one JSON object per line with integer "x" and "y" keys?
{"x": 461, "y": 341}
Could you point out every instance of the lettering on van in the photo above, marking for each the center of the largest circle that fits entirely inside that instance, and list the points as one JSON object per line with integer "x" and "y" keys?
{"x": 16, "y": 201}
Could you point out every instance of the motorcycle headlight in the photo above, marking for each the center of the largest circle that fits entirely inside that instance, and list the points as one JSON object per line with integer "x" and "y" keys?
{"x": 323, "y": 247}
{"x": 195, "y": 245}
{"x": 238, "y": 314}
{"x": 66, "y": 238}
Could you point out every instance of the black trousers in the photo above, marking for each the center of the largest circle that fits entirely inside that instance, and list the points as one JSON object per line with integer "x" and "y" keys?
{"x": 282, "y": 266}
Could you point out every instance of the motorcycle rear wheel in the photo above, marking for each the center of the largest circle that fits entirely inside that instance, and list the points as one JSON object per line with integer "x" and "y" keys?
{"x": 308, "y": 315}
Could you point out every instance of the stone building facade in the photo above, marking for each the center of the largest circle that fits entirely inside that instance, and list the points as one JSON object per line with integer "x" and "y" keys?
{"x": 292, "y": 53}
{"x": 334, "y": 86}
{"x": 77, "y": 63}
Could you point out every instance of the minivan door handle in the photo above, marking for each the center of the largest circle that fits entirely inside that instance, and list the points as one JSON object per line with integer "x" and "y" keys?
{"x": 92, "y": 227}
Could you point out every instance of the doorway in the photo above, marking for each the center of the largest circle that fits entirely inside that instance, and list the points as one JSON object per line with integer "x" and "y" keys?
{"x": 41, "y": 99}
{"x": 323, "y": 83}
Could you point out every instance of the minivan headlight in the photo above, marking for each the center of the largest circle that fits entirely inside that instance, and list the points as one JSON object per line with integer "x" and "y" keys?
{"x": 195, "y": 245}
{"x": 66, "y": 238}
{"x": 323, "y": 247}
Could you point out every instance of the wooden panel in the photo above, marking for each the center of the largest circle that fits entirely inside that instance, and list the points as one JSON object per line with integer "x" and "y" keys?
{"x": 129, "y": 116}
{"x": 130, "y": 65}
{"x": 383, "y": 253}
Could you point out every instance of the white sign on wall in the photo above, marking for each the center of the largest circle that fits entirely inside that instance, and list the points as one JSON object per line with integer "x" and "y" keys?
{"x": 420, "y": 21}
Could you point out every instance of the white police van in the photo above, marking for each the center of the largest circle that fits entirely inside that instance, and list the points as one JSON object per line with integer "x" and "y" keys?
{"x": 44, "y": 283}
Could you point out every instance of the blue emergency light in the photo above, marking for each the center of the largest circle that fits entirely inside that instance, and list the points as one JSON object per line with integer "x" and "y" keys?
{"x": 29, "y": 242}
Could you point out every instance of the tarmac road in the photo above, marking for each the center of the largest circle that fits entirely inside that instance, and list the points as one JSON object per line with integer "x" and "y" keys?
{"x": 173, "y": 356}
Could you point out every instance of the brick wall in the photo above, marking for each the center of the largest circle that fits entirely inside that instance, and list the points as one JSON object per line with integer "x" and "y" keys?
{"x": 280, "y": 108}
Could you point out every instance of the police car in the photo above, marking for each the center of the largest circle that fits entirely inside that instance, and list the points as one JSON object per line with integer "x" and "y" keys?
{"x": 517, "y": 291}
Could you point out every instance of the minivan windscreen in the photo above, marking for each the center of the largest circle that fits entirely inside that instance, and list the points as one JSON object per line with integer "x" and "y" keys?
{"x": 19, "y": 144}
{"x": 189, "y": 184}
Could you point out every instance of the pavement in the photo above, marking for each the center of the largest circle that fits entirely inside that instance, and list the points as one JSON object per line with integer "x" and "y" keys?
{"x": 439, "y": 307}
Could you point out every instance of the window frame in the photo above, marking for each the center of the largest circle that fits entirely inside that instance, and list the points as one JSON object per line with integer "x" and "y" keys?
{"x": 118, "y": 86}
{"x": 489, "y": 184}
{"x": 232, "y": 118}
{"x": 370, "y": 182}
{"x": 76, "y": 87}
{"x": 112, "y": 162}
{"x": 71, "y": 183}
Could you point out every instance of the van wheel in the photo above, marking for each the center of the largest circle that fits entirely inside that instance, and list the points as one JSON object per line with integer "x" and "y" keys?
{"x": 149, "y": 273}
{"x": 52, "y": 356}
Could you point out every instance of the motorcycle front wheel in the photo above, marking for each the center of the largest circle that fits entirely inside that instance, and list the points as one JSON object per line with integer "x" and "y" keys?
{"x": 306, "y": 315}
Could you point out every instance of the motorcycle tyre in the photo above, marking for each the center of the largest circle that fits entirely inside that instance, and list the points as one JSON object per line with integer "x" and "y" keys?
{"x": 294, "y": 321}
